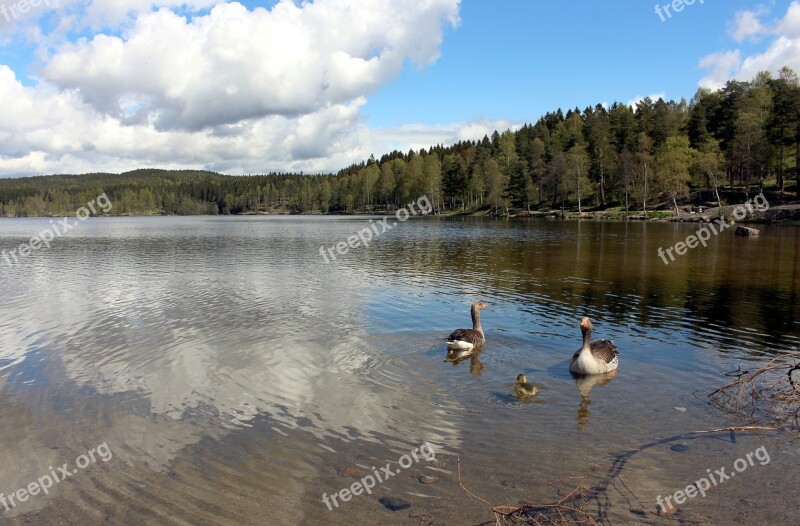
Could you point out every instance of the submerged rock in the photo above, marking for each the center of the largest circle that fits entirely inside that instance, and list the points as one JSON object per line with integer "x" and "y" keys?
{"x": 679, "y": 448}
{"x": 347, "y": 471}
{"x": 745, "y": 231}
{"x": 394, "y": 503}
{"x": 425, "y": 479}
{"x": 665, "y": 511}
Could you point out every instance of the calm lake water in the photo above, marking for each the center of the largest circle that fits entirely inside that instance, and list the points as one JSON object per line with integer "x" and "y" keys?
{"x": 235, "y": 377}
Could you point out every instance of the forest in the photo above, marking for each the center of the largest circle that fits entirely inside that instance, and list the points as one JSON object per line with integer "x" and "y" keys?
{"x": 656, "y": 154}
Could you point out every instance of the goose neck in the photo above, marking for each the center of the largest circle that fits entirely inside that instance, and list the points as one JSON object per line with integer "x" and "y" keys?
{"x": 587, "y": 338}
{"x": 476, "y": 320}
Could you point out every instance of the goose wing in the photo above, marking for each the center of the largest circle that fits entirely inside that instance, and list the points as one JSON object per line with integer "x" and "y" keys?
{"x": 466, "y": 335}
{"x": 604, "y": 350}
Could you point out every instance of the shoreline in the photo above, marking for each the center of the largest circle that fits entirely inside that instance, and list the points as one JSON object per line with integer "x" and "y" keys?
{"x": 776, "y": 214}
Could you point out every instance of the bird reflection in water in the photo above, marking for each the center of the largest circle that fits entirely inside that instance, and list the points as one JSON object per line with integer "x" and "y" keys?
{"x": 585, "y": 384}
{"x": 456, "y": 356}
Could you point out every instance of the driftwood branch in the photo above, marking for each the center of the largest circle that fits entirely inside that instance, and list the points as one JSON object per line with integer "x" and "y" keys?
{"x": 768, "y": 394}
{"x": 572, "y": 509}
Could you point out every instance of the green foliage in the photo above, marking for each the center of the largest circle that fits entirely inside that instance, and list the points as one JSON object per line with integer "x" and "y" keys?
{"x": 617, "y": 156}
{"x": 673, "y": 163}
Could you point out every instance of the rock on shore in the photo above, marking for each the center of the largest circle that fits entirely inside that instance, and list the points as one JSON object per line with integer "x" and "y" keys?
{"x": 745, "y": 231}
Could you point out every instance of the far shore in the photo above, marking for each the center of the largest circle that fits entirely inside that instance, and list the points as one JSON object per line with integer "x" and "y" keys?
{"x": 775, "y": 214}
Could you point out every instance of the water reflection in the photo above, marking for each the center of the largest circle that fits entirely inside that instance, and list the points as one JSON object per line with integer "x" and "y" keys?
{"x": 225, "y": 348}
{"x": 456, "y": 356}
{"x": 161, "y": 339}
{"x": 585, "y": 383}
{"x": 612, "y": 271}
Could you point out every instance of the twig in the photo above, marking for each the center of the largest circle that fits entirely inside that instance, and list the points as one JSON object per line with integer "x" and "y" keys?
{"x": 789, "y": 374}
{"x": 461, "y": 484}
{"x": 766, "y": 394}
{"x": 582, "y": 493}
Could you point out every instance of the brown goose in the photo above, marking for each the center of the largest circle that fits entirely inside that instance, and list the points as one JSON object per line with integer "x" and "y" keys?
{"x": 595, "y": 357}
{"x": 468, "y": 339}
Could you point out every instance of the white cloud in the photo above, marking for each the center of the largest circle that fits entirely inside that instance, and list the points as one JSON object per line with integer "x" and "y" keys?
{"x": 418, "y": 136}
{"x": 653, "y": 96}
{"x": 50, "y": 131}
{"x": 721, "y": 65}
{"x": 782, "y": 50}
{"x": 747, "y": 26}
{"x": 790, "y": 25}
{"x": 479, "y": 129}
{"x": 234, "y": 64}
{"x": 111, "y": 13}
{"x": 228, "y": 89}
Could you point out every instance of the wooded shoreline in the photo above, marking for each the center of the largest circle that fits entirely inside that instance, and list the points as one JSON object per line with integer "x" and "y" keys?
{"x": 717, "y": 149}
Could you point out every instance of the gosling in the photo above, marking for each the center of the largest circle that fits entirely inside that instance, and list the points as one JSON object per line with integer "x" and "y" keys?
{"x": 523, "y": 389}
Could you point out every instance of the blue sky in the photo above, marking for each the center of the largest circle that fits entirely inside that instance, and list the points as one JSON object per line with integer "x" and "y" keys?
{"x": 519, "y": 59}
{"x": 251, "y": 87}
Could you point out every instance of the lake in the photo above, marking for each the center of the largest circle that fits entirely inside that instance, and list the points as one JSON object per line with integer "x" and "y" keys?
{"x": 232, "y": 376}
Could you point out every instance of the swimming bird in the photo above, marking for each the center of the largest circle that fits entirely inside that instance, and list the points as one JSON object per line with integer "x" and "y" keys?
{"x": 523, "y": 388}
{"x": 595, "y": 357}
{"x": 468, "y": 339}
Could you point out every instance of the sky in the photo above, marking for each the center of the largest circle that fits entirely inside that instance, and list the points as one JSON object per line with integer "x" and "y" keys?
{"x": 314, "y": 86}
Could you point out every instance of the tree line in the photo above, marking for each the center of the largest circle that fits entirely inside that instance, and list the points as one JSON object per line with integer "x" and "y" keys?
{"x": 741, "y": 137}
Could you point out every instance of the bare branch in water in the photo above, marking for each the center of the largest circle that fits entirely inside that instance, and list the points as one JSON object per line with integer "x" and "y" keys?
{"x": 575, "y": 507}
{"x": 769, "y": 394}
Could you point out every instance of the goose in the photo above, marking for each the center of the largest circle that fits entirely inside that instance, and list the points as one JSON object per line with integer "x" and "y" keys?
{"x": 468, "y": 339}
{"x": 523, "y": 388}
{"x": 597, "y": 357}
